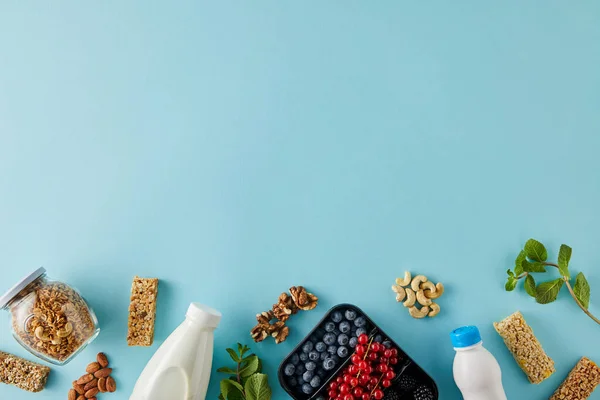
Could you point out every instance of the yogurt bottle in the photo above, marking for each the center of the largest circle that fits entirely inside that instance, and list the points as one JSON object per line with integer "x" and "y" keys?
{"x": 476, "y": 372}
{"x": 180, "y": 368}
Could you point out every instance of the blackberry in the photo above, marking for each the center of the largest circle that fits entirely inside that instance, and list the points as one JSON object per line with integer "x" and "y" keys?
{"x": 313, "y": 355}
{"x": 289, "y": 369}
{"x": 308, "y": 375}
{"x": 320, "y": 347}
{"x": 307, "y": 347}
{"x": 315, "y": 382}
{"x": 310, "y": 366}
{"x": 407, "y": 382}
{"x": 329, "y": 327}
{"x": 343, "y": 339}
{"x": 343, "y": 352}
{"x": 353, "y": 342}
{"x": 360, "y": 321}
{"x": 329, "y": 339}
{"x": 303, "y": 356}
{"x": 350, "y": 315}
{"x": 345, "y": 327}
{"x": 307, "y": 389}
{"x": 423, "y": 393}
{"x": 336, "y": 317}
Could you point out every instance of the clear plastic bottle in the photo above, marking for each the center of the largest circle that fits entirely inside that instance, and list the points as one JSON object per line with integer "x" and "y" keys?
{"x": 476, "y": 372}
{"x": 180, "y": 368}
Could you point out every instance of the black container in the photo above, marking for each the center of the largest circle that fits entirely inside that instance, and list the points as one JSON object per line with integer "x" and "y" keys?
{"x": 411, "y": 381}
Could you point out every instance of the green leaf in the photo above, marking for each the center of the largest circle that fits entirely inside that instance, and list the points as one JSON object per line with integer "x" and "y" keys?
{"x": 231, "y": 390}
{"x": 233, "y": 355}
{"x": 511, "y": 284}
{"x": 530, "y": 285}
{"x": 240, "y": 348}
{"x": 535, "y": 250}
{"x": 564, "y": 256}
{"x": 237, "y": 385}
{"x": 510, "y": 273}
{"x": 257, "y": 388}
{"x": 225, "y": 370}
{"x": 519, "y": 263}
{"x": 533, "y": 266}
{"x": 251, "y": 367}
{"x": 547, "y": 292}
{"x": 582, "y": 290}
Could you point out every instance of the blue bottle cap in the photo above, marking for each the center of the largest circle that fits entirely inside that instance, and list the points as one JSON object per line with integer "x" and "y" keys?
{"x": 465, "y": 336}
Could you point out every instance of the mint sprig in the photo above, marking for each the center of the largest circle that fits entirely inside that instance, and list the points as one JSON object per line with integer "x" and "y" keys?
{"x": 245, "y": 381}
{"x": 533, "y": 259}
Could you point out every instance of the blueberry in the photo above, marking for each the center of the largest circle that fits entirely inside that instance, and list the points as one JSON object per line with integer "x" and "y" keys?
{"x": 289, "y": 369}
{"x": 300, "y": 381}
{"x": 336, "y": 317}
{"x": 328, "y": 364}
{"x": 303, "y": 356}
{"x": 387, "y": 344}
{"x": 360, "y": 331}
{"x": 321, "y": 373}
{"x": 313, "y": 355}
{"x": 336, "y": 332}
{"x": 321, "y": 398}
{"x": 335, "y": 358}
{"x": 343, "y": 352}
{"x": 350, "y": 315}
{"x": 323, "y": 356}
{"x": 343, "y": 339}
{"x": 308, "y": 346}
{"x": 295, "y": 359}
{"x": 345, "y": 327}
{"x": 310, "y": 366}
{"x": 329, "y": 327}
{"x": 332, "y": 349}
{"x": 308, "y": 375}
{"x": 300, "y": 369}
{"x": 321, "y": 347}
{"x": 315, "y": 382}
{"x": 353, "y": 342}
{"x": 292, "y": 381}
{"x": 307, "y": 389}
{"x": 313, "y": 338}
{"x": 378, "y": 339}
{"x": 329, "y": 339}
{"x": 360, "y": 321}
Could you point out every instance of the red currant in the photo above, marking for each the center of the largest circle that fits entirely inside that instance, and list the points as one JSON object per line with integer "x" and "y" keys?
{"x": 368, "y": 370}
{"x": 390, "y": 375}
{"x": 366, "y": 396}
{"x": 363, "y": 365}
{"x": 394, "y": 352}
{"x": 353, "y": 381}
{"x": 357, "y": 392}
{"x": 348, "y": 397}
{"x": 356, "y": 359}
{"x": 386, "y": 383}
{"x": 353, "y": 370}
{"x": 364, "y": 379}
{"x": 393, "y": 361}
{"x": 387, "y": 353}
{"x": 374, "y": 381}
{"x": 339, "y": 380}
{"x": 383, "y": 368}
{"x": 344, "y": 388}
{"x": 363, "y": 339}
{"x": 360, "y": 350}
{"x": 373, "y": 356}
{"x": 384, "y": 360}
{"x": 347, "y": 378}
{"x": 375, "y": 347}
{"x": 378, "y": 394}
{"x": 333, "y": 385}
{"x": 333, "y": 394}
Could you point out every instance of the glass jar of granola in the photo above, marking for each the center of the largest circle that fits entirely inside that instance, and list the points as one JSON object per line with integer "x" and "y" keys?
{"x": 49, "y": 318}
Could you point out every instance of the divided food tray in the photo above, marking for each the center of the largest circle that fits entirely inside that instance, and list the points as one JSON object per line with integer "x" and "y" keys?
{"x": 345, "y": 322}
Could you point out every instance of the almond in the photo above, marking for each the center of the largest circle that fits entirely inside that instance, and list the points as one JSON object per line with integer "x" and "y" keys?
{"x": 111, "y": 385}
{"x": 85, "y": 379}
{"x": 102, "y": 385}
{"x": 91, "y": 384}
{"x": 78, "y": 388}
{"x": 102, "y": 360}
{"x": 91, "y": 393}
{"x": 81, "y": 397}
{"x": 72, "y": 394}
{"x": 103, "y": 373}
{"x": 92, "y": 367}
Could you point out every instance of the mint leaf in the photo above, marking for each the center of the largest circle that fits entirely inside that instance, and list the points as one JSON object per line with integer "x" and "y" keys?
{"x": 257, "y": 388}
{"x": 233, "y": 355}
{"x": 535, "y": 250}
{"x": 582, "y": 290}
{"x": 240, "y": 349}
{"x": 510, "y": 273}
{"x": 237, "y": 385}
{"x": 225, "y": 370}
{"x": 519, "y": 263}
{"x": 564, "y": 256}
{"x": 530, "y": 285}
{"x": 547, "y": 292}
{"x": 231, "y": 391}
{"x": 251, "y": 367}
{"x": 511, "y": 284}
{"x": 533, "y": 266}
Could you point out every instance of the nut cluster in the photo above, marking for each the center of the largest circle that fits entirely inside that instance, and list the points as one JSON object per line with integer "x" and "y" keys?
{"x": 52, "y": 318}
{"x": 97, "y": 379}
{"x": 418, "y": 290}
{"x": 272, "y": 322}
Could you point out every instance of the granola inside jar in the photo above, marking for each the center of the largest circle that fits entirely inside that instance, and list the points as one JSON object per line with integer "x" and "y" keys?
{"x": 49, "y": 318}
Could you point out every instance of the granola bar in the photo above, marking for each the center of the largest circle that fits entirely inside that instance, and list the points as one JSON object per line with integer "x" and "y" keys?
{"x": 580, "y": 383}
{"x": 23, "y": 374}
{"x": 525, "y": 348}
{"x": 142, "y": 311}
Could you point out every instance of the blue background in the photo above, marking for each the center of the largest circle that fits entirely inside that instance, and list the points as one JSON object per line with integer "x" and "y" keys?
{"x": 234, "y": 149}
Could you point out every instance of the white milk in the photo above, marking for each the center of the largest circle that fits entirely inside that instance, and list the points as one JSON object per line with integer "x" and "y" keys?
{"x": 180, "y": 368}
{"x": 476, "y": 372}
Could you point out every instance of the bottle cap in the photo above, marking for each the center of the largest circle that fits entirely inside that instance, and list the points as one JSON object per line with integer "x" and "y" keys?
{"x": 22, "y": 284}
{"x": 204, "y": 315}
{"x": 465, "y": 336}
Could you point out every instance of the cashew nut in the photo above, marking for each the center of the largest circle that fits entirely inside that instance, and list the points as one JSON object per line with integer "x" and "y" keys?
{"x": 405, "y": 281}
{"x": 411, "y": 298}
{"x": 435, "y": 310}
{"x": 416, "y": 282}
{"x": 416, "y": 313}
{"x": 66, "y": 331}
{"x": 438, "y": 292}
{"x": 40, "y": 334}
{"x": 400, "y": 293}
{"x": 57, "y": 340}
{"x": 424, "y": 301}
{"x": 428, "y": 286}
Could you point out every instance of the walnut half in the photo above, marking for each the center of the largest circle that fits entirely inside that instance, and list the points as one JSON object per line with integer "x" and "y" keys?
{"x": 304, "y": 300}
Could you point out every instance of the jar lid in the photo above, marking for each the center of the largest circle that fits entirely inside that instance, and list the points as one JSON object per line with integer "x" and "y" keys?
{"x": 465, "y": 336}
{"x": 22, "y": 284}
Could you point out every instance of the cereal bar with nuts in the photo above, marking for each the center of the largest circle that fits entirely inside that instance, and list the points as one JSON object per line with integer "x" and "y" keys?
{"x": 580, "y": 383}
{"x": 23, "y": 374}
{"x": 142, "y": 311}
{"x": 525, "y": 348}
